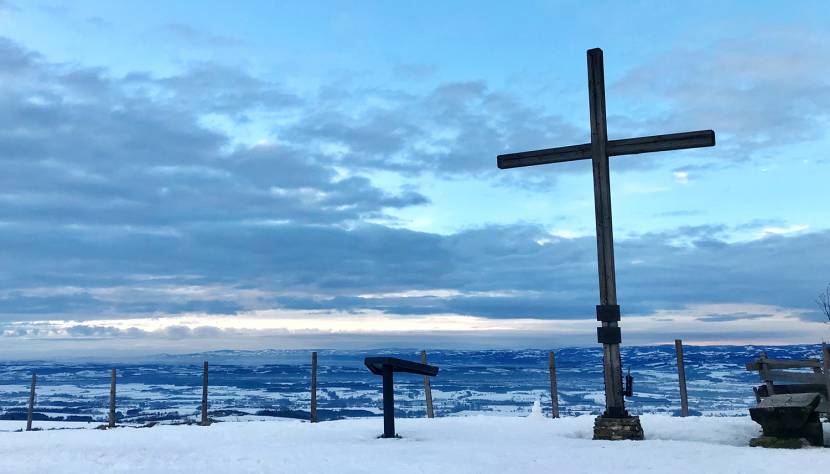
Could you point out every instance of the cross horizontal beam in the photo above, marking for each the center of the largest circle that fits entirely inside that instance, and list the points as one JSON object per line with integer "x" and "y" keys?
{"x": 626, "y": 146}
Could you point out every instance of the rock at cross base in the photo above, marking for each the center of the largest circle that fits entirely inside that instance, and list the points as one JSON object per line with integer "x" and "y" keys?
{"x": 618, "y": 429}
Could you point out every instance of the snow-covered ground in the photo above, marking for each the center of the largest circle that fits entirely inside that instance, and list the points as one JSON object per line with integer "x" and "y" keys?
{"x": 474, "y": 444}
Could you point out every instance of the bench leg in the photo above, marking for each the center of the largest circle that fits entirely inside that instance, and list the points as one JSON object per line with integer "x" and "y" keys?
{"x": 813, "y": 431}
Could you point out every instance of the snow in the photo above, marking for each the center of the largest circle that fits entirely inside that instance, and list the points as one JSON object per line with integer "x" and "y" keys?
{"x": 472, "y": 444}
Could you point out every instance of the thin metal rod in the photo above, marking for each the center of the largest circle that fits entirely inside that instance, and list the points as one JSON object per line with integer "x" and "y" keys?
{"x": 626, "y": 146}
{"x": 681, "y": 376}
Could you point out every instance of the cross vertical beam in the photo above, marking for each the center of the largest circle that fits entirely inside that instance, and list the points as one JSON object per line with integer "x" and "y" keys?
{"x": 612, "y": 365}
{"x": 615, "y": 423}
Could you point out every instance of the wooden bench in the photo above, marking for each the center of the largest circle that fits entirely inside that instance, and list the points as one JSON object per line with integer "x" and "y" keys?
{"x": 790, "y": 412}
{"x": 787, "y": 419}
{"x": 775, "y": 370}
{"x": 386, "y": 366}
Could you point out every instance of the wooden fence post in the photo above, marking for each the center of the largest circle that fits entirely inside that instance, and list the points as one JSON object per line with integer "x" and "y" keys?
{"x": 825, "y": 358}
{"x": 205, "y": 420}
{"x": 681, "y": 376}
{"x": 31, "y": 403}
{"x": 112, "y": 401}
{"x": 427, "y": 388}
{"x": 554, "y": 393}
{"x": 314, "y": 387}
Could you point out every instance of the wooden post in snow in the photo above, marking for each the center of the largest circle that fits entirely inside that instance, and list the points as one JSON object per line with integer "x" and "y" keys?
{"x": 314, "y": 387}
{"x": 681, "y": 375}
{"x": 112, "y": 401}
{"x": 825, "y": 358}
{"x": 554, "y": 393}
{"x": 427, "y": 388}
{"x": 31, "y": 403}
{"x": 205, "y": 420}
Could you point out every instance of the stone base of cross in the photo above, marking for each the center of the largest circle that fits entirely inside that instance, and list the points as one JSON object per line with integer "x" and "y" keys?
{"x": 615, "y": 422}
{"x": 617, "y": 429}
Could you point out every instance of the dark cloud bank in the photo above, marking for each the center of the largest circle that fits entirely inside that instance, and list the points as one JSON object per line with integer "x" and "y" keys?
{"x": 114, "y": 198}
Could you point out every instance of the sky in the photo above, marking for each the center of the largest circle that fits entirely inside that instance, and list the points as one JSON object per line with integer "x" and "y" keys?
{"x": 186, "y": 176}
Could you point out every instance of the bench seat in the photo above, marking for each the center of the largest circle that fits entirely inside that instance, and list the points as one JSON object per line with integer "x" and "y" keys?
{"x": 785, "y": 389}
{"x": 790, "y": 416}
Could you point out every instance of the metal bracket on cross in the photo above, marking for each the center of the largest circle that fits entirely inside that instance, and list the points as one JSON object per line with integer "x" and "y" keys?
{"x": 608, "y": 313}
{"x": 609, "y": 335}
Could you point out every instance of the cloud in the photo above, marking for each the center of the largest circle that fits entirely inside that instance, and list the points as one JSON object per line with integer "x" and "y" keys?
{"x": 198, "y": 37}
{"x": 758, "y": 99}
{"x": 785, "y": 230}
{"x": 679, "y": 213}
{"x": 118, "y": 201}
{"x": 698, "y": 324}
{"x": 213, "y": 88}
{"x": 410, "y": 71}
{"x": 7, "y": 7}
{"x": 454, "y": 129}
{"x": 97, "y": 22}
{"x": 681, "y": 177}
{"x": 760, "y": 92}
{"x": 84, "y": 147}
{"x": 17, "y": 303}
{"x": 495, "y": 272}
{"x": 718, "y": 317}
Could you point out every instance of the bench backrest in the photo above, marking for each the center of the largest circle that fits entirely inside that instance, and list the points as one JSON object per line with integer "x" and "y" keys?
{"x": 774, "y": 370}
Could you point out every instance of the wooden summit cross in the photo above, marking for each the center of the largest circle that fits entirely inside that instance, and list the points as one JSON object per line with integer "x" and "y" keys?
{"x": 598, "y": 151}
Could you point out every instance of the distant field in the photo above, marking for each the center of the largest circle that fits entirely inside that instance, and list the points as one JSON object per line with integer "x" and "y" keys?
{"x": 275, "y": 384}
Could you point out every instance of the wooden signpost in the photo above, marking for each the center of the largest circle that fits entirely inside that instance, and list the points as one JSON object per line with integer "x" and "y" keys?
{"x": 386, "y": 367}
{"x": 615, "y": 423}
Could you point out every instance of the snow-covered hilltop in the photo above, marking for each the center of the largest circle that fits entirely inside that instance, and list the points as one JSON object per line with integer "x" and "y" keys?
{"x": 476, "y": 444}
